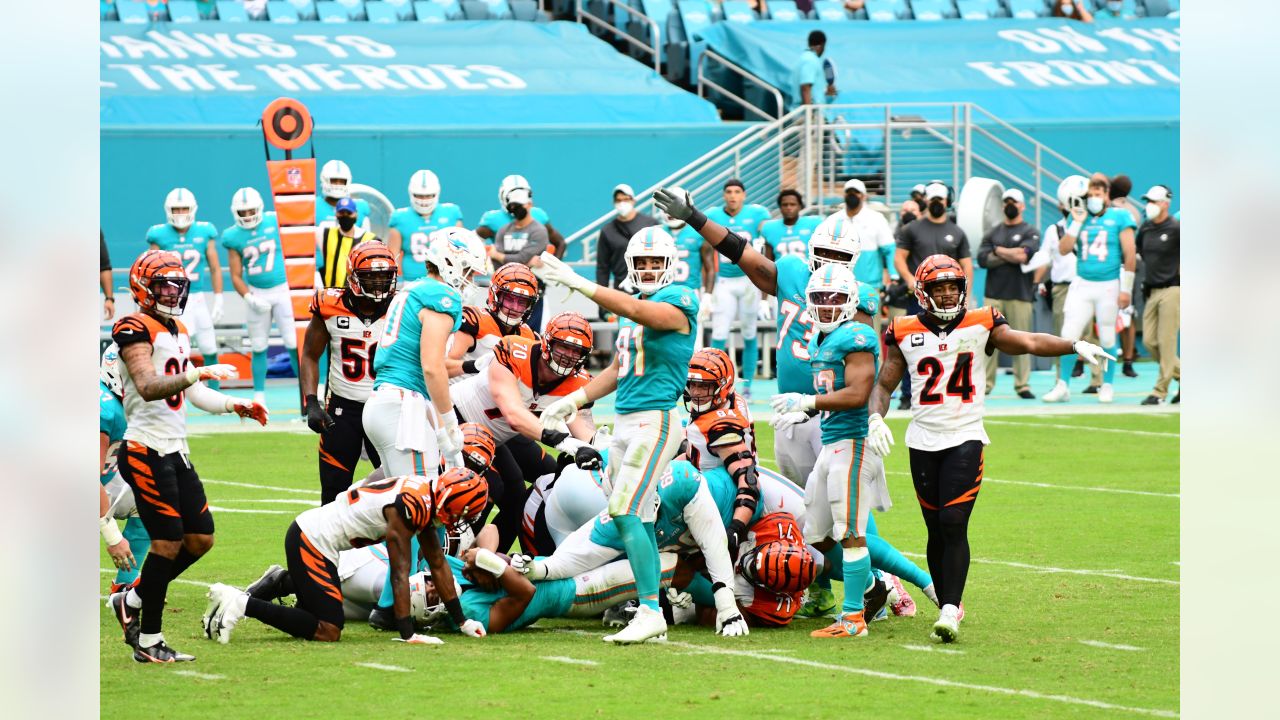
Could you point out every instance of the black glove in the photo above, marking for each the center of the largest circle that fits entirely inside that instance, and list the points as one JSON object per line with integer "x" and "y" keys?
{"x": 317, "y": 419}
{"x": 737, "y": 533}
{"x": 674, "y": 202}
{"x": 552, "y": 438}
{"x": 588, "y": 458}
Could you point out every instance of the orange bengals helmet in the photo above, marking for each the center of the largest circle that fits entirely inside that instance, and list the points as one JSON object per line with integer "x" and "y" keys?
{"x": 371, "y": 272}
{"x": 567, "y": 342}
{"x": 779, "y": 567}
{"x": 159, "y": 284}
{"x": 710, "y": 383}
{"x": 513, "y": 291}
{"x": 460, "y": 496}
{"x": 934, "y": 270}
{"x": 478, "y": 447}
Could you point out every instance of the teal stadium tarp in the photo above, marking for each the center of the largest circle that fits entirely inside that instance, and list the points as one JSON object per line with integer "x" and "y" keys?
{"x": 1020, "y": 70}
{"x": 469, "y": 74}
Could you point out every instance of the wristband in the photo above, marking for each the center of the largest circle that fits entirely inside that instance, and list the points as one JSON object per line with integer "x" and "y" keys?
{"x": 489, "y": 561}
{"x": 405, "y": 626}
{"x": 454, "y": 607}
{"x": 469, "y": 367}
{"x": 1074, "y": 228}
{"x": 1126, "y": 281}
{"x": 110, "y": 531}
{"x": 109, "y": 298}
{"x": 697, "y": 220}
{"x": 193, "y": 375}
{"x": 231, "y": 404}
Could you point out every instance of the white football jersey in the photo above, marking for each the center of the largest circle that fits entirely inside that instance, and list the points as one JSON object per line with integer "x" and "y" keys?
{"x": 486, "y": 333}
{"x": 159, "y": 424}
{"x": 356, "y": 517}
{"x": 948, "y": 367}
{"x": 719, "y": 427}
{"x": 778, "y": 494}
{"x": 352, "y": 343}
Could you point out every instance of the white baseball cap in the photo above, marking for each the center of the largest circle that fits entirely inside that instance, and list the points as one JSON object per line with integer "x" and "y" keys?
{"x": 935, "y": 190}
{"x": 625, "y": 189}
{"x": 519, "y": 196}
{"x": 1013, "y": 194}
{"x": 855, "y": 184}
{"x": 1157, "y": 193}
{"x": 918, "y": 188}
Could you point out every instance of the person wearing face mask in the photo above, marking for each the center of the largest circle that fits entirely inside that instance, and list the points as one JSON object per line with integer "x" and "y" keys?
{"x": 336, "y": 242}
{"x": 335, "y": 184}
{"x": 1115, "y": 10}
{"x": 492, "y": 221}
{"x": 1121, "y": 186}
{"x": 1004, "y": 249}
{"x": 521, "y": 241}
{"x": 874, "y": 267}
{"x": 1072, "y": 10}
{"x": 611, "y": 246}
{"x": 1159, "y": 242}
{"x": 933, "y": 234}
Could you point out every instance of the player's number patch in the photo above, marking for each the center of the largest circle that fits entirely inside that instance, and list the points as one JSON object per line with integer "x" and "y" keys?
{"x": 792, "y": 312}
{"x": 264, "y": 251}
{"x": 960, "y": 384}
{"x": 629, "y": 358}
{"x": 418, "y": 246}
{"x": 681, "y": 268}
{"x": 173, "y": 366}
{"x": 394, "y": 312}
{"x": 357, "y": 359}
{"x": 1095, "y": 248}
{"x": 824, "y": 381}
{"x": 191, "y": 258}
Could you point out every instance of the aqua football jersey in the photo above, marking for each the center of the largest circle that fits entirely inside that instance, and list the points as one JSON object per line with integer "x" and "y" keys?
{"x": 1098, "y": 246}
{"x": 498, "y": 218}
{"x": 828, "y": 352}
{"x": 795, "y": 328}
{"x": 260, "y": 249}
{"x": 112, "y": 424}
{"x": 191, "y": 245}
{"x": 398, "y": 361}
{"x": 325, "y": 211}
{"x": 653, "y": 365}
{"x": 790, "y": 239}
{"x": 414, "y": 229}
{"x": 689, "y": 258}
{"x": 551, "y": 599}
{"x": 746, "y": 223}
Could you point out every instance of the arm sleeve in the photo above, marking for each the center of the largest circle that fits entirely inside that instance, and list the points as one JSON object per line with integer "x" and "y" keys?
{"x": 703, "y": 519}
{"x": 104, "y": 257}
{"x": 208, "y": 399}
{"x": 538, "y": 240}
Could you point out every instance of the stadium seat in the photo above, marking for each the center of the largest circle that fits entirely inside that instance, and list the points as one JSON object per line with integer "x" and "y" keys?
{"x": 1028, "y": 9}
{"x": 133, "y": 12}
{"x": 404, "y": 8}
{"x": 881, "y": 10}
{"x": 354, "y": 8}
{"x": 183, "y": 11}
{"x": 1157, "y": 8}
{"x": 657, "y": 11}
{"x": 302, "y": 9}
{"x": 499, "y": 9}
{"x": 208, "y": 9}
{"x": 281, "y": 11}
{"x": 380, "y": 12}
{"x": 695, "y": 15}
{"x": 526, "y": 11}
{"x": 784, "y": 11}
{"x": 973, "y": 9}
{"x": 737, "y": 11}
{"x": 107, "y": 10}
{"x": 332, "y": 12}
{"x": 829, "y": 11}
{"x": 231, "y": 11}
{"x": 931, "y": 9}
{"x": 430, "y": 12}
{"x": 476, "y": 10}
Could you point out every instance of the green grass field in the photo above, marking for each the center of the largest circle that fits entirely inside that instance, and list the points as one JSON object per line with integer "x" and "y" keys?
{"x": 1072, "y": 611}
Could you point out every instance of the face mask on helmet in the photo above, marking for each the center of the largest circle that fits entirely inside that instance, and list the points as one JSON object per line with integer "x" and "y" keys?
{"x": 170, "y": 294}
{"x": 376, "y": 285}
{"x": 182, "y": 217}
{"x": 945, "y": 298}
{"x": 700, "y": 393}
{"x": 649, "y": 273}
{"x": 828, "y": 309}
{"x": 820, "y": 256}
{"x": 423, "y": 204}
{"x": 565, "y": 358}
{"x": 514, "y": 308}
{"x": 248, "y": 218}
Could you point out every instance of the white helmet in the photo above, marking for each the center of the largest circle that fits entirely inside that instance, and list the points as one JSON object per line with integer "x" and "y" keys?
{"x": 109, "y": 370}
{"x": 1072, "y": 192}
{"x": 246, "y": 198}
{"x": 422, "y": 612}
{"x": 652, "y": 241}
{"x": 674, "y": 224}
{"x": 424, "y": 192}
{"x": 180, "y": 198}
{"x": 335, "y": 170}
{"x": 837, "y": 235}
{"x": 509, "y": 183}
{"x": 457, "y": 254}
{"x": 826, "y": 286}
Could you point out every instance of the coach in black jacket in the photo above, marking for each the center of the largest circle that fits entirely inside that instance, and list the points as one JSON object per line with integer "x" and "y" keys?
{"x": 611, "y": 248}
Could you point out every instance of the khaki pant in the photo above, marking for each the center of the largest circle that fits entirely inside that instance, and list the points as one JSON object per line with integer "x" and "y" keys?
{"x": 1060, "y": 299}
{"x": 1018, "y": 313}
{"x": 1161, "y": 320}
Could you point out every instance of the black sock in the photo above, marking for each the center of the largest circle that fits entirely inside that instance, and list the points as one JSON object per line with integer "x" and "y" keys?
{"x": 296, "y": 622}
{"x": 955, "y": 561}
{"x": 934, "y": 554}
{"x": 183, "y": 561}
{"x": 153, "y": 585}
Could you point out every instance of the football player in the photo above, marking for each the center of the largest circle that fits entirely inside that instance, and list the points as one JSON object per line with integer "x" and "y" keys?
{"x": 494, "y": 220}
{"x": 788, "y": 234}
{"x": 409, "y": 416}
{"x": 561, "y": 502}
{"x": 1102, "y": 238}
{"x": 411, "y": 227}
{"x": 196, "y": 243}
{"x": 772, "y": 575}
{"x": 526, "y": 377}
{"x": 256, "y": 261}
{"x": 158, "y": 379}
{"x": 335, "y": 184}
{"x": 394, "y": 509}
{"x": 946, "y": 347}
{"x": 115, "y": 499}
{"x": 513, "y": 293}
{"x": 654, "y": 344}
{"x": 734, "y": 296}
{"x": 348, "y": 323}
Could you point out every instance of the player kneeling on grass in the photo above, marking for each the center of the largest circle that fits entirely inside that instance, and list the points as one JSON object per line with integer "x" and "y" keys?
{"x": 773, "y": 574}
{"x": 562, "y": 502}
{"x": 395, "y": 509}
{"x": 946, "y": 347}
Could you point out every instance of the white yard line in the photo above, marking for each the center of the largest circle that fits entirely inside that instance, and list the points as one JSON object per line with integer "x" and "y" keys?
{"x": 1032, "y": 694}
{"x": 1060, "y": 426}
{"x": 181, "y": 581}
{"x": 569, "y": 660}
{"x": 387, "y": 668}
{"x": 199, "y": 675}
{"x": 930, "y": 648}
{"x": 258, "y": 487}
{"x": 274, "y": 501}
{"x": 216, "y": 508}
{"x": 1053, "y": 486}
{"x": 1110, "y": 646}
{"x": 1067, "y": 571}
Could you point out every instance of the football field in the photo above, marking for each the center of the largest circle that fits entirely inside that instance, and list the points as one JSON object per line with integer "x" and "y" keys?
{"x": 1071, "y": 610}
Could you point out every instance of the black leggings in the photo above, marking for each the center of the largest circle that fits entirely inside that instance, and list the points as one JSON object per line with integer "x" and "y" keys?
{"x": 518, "y": 463}
{"x": 947, "y": 483}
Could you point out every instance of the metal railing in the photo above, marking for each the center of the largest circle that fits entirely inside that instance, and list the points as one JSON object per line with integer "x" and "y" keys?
{"x": 727, "y": 66}
{"x": 581, "y": 14}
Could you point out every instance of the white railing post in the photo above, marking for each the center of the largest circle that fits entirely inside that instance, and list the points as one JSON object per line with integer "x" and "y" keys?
{"x": 955, "y": 146}
{"x": 968, "y": 141}
{"x": 1039, "y": 169}
{"x": 888, "y": 154}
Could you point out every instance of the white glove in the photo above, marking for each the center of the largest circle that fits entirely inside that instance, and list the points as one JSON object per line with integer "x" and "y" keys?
{"x": 603, "y": 439}
{"x": 449, "y": 440}
{"x": 729, "y": 620}
{"x": 420, "y": 639}
{"x": 489, "y": 561}
{"x": 554, "y": 270}
{"x": 764, "y": 311}
{"x": 879, "y": 436}
{"x": 793, "y": 402}
{"x": 257, "y": 303}
{"x": 527, "y": 566}
{"x": 705, "y": 306}
{"x": 473, "y": 628}
{"x": 221, "y": 371}
{"x": 563, "y": 410}
{"x": 678, "y": 599}
{"x": 215, "y": 313}
{"x": 787, "y": 421}
{"x": 1092, "y": 354}
{"x": 626, "y": 286}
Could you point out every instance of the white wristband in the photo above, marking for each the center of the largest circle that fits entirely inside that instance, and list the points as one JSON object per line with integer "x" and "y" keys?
{"x": 1074, "y": 228}
{"x": 110, "y": 531}
{"x": 578, "y": 397}
{"x": 489, "y": 561}
{"x": 449, "y": 421}
{"x": 193, "y": 375}
{"x": 1126, "y": 281}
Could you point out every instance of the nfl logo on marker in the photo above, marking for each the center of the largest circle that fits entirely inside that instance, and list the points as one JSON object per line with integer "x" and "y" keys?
{"x": 294, "y": 177}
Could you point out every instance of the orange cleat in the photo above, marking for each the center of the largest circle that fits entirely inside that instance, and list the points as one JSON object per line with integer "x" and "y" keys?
{"x": 846, "y": 625}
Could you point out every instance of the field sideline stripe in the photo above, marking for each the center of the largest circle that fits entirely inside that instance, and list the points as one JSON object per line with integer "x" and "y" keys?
{"x": 1067, "y": 699}
{"x": 1052, "y": 486}
{"x": 930, "y": 648}
{"x": 256, "y": 487}
{"x": 1068, "y": 571}
{"x": 1148, "y": 433}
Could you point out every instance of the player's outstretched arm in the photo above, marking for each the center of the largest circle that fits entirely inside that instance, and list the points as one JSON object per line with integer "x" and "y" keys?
{"x": 562, "y": 410}
{"x": 760, "y": 269}
{"x": 429, "y": 542}
{"x": 705, "y": 524}
{"x": 890, "y": 375}
{"x": 1016, "y": 342}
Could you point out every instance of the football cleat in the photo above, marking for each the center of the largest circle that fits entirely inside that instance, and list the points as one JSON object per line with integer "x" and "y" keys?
{"x": 846, "y": 626}
{"x": 947, "y": 628}
{"x": 126, "y": 616}
{"x": 160, "y": 653}
{"x": 902, "y": 605}
{"x": 1106, "y": 394}
{"x": 226, "y": 607}
{"x": 819, "y": 602}
{"x": 267, "y": 587}
{"x": 875, "y": 599}
{"x": 382, "y": 619}
{"x": 1091, "y": 390}
{"x": 1059, "y": 393}
{"x": 647, "y": 625}
{"x": 619, "y": 615}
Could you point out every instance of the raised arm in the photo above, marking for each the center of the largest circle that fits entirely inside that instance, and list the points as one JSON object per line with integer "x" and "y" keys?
{"x": 736, "y": 249}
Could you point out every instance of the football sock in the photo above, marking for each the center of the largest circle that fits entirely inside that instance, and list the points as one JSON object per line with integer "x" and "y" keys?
{"x": 139, "y": 544}
{"x": 258, "y": 362}
{"x": 387, "y": 600}
{"x": 183, "y": 561}
{"x": 293, "y": 359}
{"x": 147, "y": 640}
{"x": 1109, "y": 375}
{"x": 955, "y": 561}
{"x": 886, "y": 557}
{"x": 750, "y": 356}
{"x": 857, "y": 566}
{"x": 700, "y": 589}
{"x": 1065, "y": 363}
{"x": 156, "y": 572}
{"x": 642, "y": 552}
{"x": 296, "y": 622}
{"x": 931, "y": 592}
{"x": 131, "y": 598}
{"x": 720, "y": 344}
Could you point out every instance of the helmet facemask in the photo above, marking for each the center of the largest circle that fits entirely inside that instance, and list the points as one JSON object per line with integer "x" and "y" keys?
{"x": 565, "y": 357}
{"x": 374, "y": 285}
{"x": 830, "y": 308}
{"x": 169, "y": 294}
{"x": 513, "y": 308}
{"x": 820, "y": 256}
{"x": 182, "y": 217}
{"x": 650, "y": 273}
{"x": 701, "y": 394}
{"x": 946, "y": 304}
